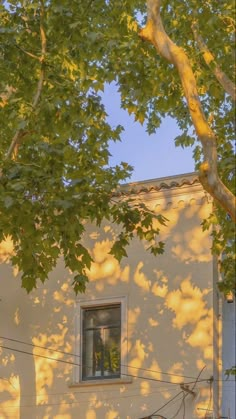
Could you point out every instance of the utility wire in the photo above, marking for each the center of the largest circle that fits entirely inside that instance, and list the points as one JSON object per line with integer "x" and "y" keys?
{"x": 194, "y": 385}
{"x": 98, "y": 392}
{"x": 123, "y": 365}
{"x": 78, "y": 402}
{"x": 164, "y": 405}
{"x": 182, "y": 404}
{"x": 160, "y": 415}
{"x": 76, "y": 364}
{"x": 78, "y": 356}
{"x": 39, "y": 346}
{"x": 180, "y": 407}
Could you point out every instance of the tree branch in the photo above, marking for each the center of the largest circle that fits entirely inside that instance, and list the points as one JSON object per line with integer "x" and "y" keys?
{"x": 13, "y": 149}
{"x": 209, "y": 58}
{"x": 28, "y": 53}
{"x": 154, "y": 32}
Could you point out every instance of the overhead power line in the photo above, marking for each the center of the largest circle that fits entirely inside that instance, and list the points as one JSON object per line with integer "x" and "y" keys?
{"x": 77, "y": 364}
{"x": 39, "y": 346}
{"x": 78, "y": 402}
{"x": 164, "y": 405}
{"x": 78, "y": 356}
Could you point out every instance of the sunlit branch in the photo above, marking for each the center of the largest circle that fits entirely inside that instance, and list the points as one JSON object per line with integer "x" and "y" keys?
{"x": 20, "y": 133}
{"x": 154, "y": 32}
{"x": 28, "y": 53}
{"x": 209, "y": 58}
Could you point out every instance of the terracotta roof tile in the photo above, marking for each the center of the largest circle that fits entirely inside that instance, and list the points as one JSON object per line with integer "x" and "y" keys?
{"x": 158, "y": 184}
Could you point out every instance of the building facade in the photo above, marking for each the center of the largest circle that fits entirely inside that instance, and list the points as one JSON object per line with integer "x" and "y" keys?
{"x": 143, "y": 341}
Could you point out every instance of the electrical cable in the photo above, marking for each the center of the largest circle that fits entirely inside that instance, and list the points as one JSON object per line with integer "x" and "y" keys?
{"x": 164, "y": 405}
{"x": 78, "y": 356}
{"x": 39, "y": 346}
{"x": 179, "y": 408}
{"x": 186, "y": 394}
{"x": 123, "y": 365}
{"x": 78, "y": 402}
{"x": 77, "y": 364}
{"x": 194, "y": 385}
{"x": 82, "y": 391}
{"x": 171, "y": 405}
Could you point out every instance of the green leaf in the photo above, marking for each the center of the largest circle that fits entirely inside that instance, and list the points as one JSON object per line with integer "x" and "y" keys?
{"x": 58, "y": 178}
{"x": 79, "y": 283}
{"x": 118, "y": 251}
{"x": 8, "y": 202}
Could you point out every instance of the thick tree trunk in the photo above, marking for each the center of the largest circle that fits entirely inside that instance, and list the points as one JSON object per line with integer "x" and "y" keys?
{"x": 154, "y": 32}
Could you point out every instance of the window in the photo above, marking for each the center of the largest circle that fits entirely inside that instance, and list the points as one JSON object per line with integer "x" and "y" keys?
{"x": 101, "y": 342}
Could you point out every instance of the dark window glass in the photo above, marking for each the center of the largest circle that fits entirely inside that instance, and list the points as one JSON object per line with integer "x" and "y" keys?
{"x": 101, "y": 342}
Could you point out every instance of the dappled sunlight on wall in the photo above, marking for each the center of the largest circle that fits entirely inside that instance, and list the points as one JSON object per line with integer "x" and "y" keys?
{"x": 190, "y": 308}
{"x": 153, "y": 322}
{"x": 169, "y": 325}
{"x": 105, "y": 269}
{"x": 137, "y": 353}
{"x": 172, "y": 217}
{"x": 133, "y": 315}
{"x": 104, "y": 265}
{"x": 61, "y": 298}
{"x": 112, "y": 414}
{"x": 202, "y": 335}
{"x": 91, "y": 414}
{"x": 192, "y": 245}
{"x": 45, "y": 371}
{"x": 187, "y": 303}
{"x": 176, "y": 369}
{"x": 6, "y": 250}
{"x": 42, "y": 318}
{"x": 144, "y": 388}
{"x": 160, "y": 290}
{"x": 154, "y": 370}
{"x": 17, "y": 316}
{"x": 10, "y": 395}
{"x": 204, "y": 402}
{"x": 141, "y": 279}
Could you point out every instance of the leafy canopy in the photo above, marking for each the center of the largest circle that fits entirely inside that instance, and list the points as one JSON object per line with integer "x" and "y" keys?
{"x": 55, "y": 60}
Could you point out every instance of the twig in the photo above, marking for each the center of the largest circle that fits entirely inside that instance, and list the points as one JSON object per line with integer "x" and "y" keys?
{"x": 27, "y": 52}
{"x": 14, "y": 142}
{"x": 42, "y": 58}
{"x": 13, "y": 149}
{"x": 209, "y": 58}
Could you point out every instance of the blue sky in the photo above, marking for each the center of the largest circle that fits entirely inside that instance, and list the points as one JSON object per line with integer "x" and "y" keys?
{"x": 151, "y": 156}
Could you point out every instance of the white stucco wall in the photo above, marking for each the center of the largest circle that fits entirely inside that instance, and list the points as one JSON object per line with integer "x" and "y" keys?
{"x": 169, "y": 325}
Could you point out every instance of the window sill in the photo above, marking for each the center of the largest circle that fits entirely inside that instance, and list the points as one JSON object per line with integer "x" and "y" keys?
{"x": 100, "y": 382}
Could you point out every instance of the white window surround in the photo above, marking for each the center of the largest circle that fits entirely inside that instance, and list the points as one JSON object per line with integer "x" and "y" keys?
{"x": 82, "y": 304}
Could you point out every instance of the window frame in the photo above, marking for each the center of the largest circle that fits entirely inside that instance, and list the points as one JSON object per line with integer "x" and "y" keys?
{"x": 98, "y": 331}
{"x": 96, "y": 303}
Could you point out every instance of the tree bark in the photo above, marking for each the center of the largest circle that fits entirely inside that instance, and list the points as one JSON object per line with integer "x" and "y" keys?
{"x": 154, "y": 32}
{"x": 209, "y": 58}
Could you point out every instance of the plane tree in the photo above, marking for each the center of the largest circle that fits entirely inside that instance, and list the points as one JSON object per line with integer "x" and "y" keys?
{"x": 168, "y": 59}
